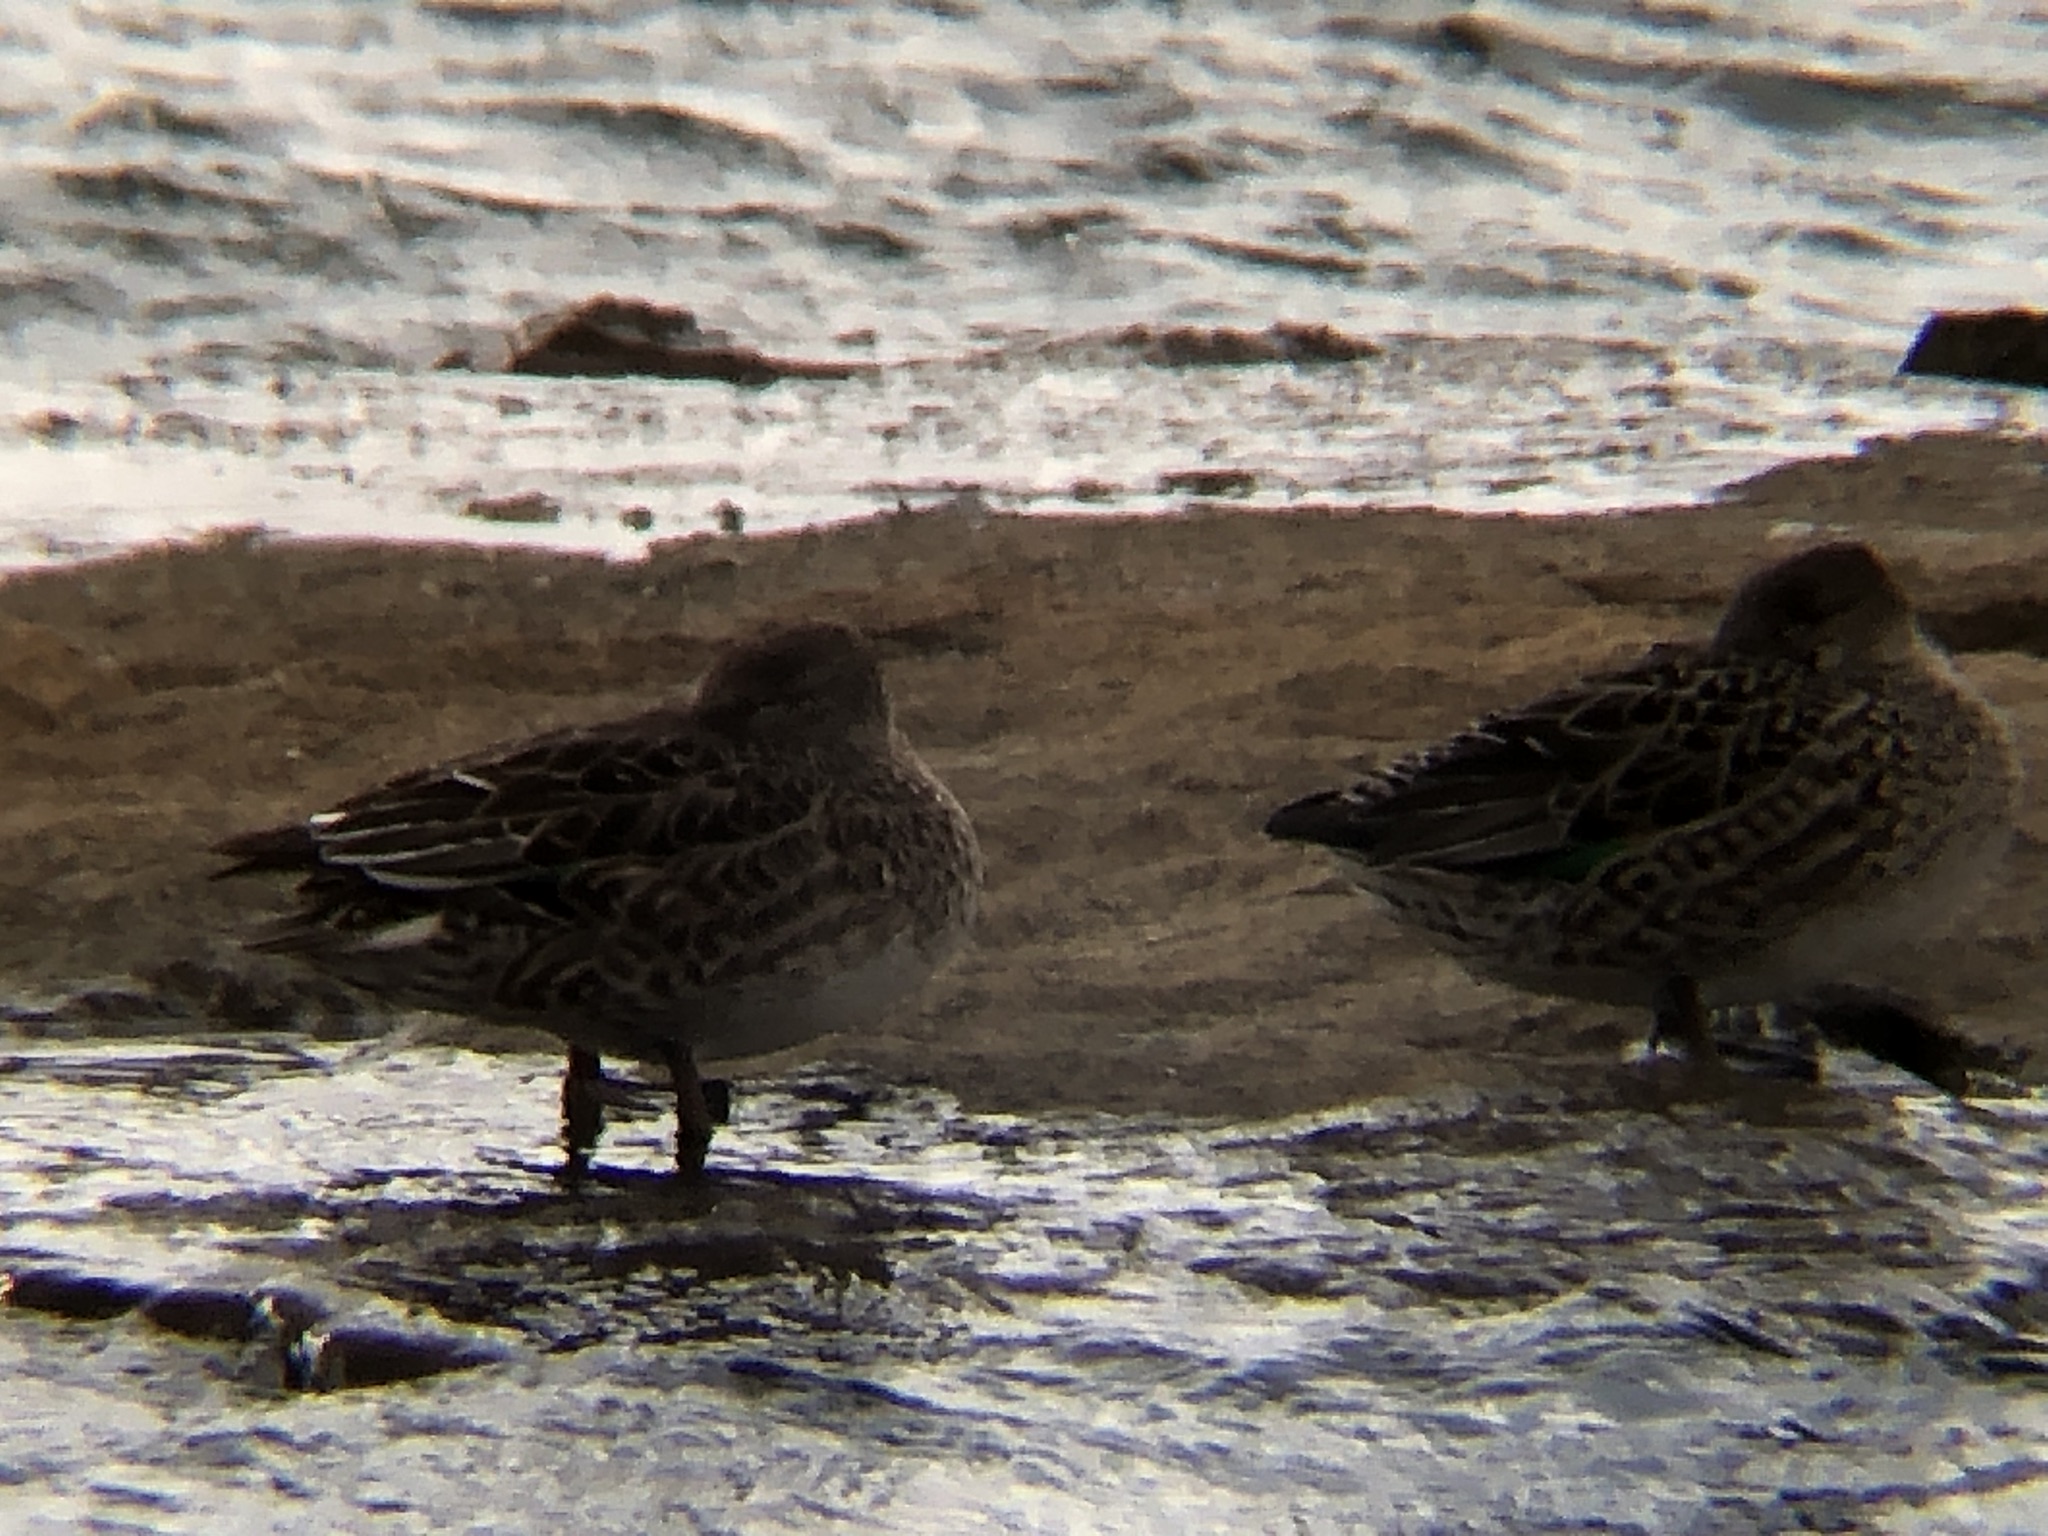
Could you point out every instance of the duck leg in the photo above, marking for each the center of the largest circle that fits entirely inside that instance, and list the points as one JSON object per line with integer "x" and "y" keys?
{"x": 718, "y": 1099}
{"x": 1681, "y": 1016}
{"x": 582, "y": 1112}
{"x": 694, "y": 1117}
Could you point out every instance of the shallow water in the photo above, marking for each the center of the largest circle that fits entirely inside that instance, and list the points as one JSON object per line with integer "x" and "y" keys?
{"x": 1802, "y": 1310}
{"x": 1617, "y": 252}
{"x": 629, "y": 462}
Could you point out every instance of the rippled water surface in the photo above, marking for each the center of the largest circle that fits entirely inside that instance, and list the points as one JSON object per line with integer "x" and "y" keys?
{"x": 1612, "y": 253}
{"x": 1806, "y": 1310}
{"x": 1616, "y": 252}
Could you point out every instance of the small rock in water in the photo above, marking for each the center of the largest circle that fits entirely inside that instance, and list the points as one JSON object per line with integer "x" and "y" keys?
{"x": 528, "y": 507}
{"x": 609, "y": 337}
{"x": 66, "y": 1293}
{"x": 1210, "y": 482}
{"x": 198, "y": 1312}
{"x": 375, "y": 1357}
{"x": 1999, "y": 346}
{"x": 57, "y": 428}
{"x": 1228, "y": 347}
{"x": 308, "y": 1357}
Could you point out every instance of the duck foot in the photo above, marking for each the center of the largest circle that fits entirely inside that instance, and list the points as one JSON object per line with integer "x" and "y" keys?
{"x": 1684, "y": 1062}
{"x": 1681, "y": 1018}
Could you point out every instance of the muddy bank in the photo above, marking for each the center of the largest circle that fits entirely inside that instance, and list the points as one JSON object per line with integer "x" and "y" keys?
{"x": 1118, "y": 702}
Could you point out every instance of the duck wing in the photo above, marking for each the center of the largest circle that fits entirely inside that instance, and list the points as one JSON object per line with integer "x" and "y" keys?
{"x": 1553, "y": 789}
{"x": 557, "y": 826}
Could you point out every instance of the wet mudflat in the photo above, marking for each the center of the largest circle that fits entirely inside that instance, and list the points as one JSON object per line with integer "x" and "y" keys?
{"x": 334, "y": 1288}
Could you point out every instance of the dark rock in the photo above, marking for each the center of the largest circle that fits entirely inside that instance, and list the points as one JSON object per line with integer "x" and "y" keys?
{"x": 1320, "y": 344}
{"x": 1469, "y": 38}
{"x": 527, "y": 507}
{"x": 1210, "y": 482}
{"x": 66, "y": 1293}
{"x": 57, "y": 428}
{"x": 608, "y": 338}
{"x": 497, "y": 13}
{"x": 198, "y": 1312}
{"x": 2000, "y": 346}
{"x": 1227, "y": 347}
{"x": 361, "y": 1356}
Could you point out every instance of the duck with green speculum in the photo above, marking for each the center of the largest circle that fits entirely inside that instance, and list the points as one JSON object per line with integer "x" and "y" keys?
{"x": 1739, "y": 822}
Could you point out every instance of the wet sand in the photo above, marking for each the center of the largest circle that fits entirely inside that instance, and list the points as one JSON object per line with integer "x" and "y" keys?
{"x": 1117, "y": 701}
